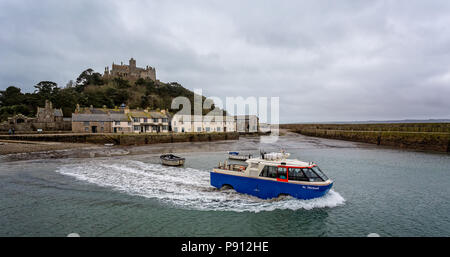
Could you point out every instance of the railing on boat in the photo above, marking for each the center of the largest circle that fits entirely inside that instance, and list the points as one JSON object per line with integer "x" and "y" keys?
{"x": 232, "y": 166}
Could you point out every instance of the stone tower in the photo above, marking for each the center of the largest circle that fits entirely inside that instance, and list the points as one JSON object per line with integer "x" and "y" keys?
{"x": 132, "y": 64}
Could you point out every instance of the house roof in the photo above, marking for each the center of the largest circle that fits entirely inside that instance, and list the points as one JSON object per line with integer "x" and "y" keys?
{"x": 103, "y": 114}
{"x": 143, "y": 114}
{"x": 139, "y": 114}
{"x": 157, "y": 115}
{"x": 119, "y": 117}
{"x": 80, "y": 117}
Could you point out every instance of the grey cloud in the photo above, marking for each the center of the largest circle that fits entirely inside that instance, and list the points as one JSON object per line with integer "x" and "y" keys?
{"x": 326, "y": 60}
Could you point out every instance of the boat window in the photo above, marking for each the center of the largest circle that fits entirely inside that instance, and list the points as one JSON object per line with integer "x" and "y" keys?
{"x": 264, "y": 172}
{"x": 311, "y": 175}
{"x": 253, "y": 165}
{"x": 319, "y": 172}
{"x": 297, "y": 174}
{"x": 282, "y": 173}
{"x": 269, "y": 171}
{"x": 272, "y": 172}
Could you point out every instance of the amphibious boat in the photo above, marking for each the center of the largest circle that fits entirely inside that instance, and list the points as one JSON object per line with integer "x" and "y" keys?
{"x": 272, "y": 175}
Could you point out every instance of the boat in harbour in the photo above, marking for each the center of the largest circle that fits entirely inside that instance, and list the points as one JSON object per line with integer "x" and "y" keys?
{"x": 238, "y": 156}
{"x": 171, "y": 160}
{"x": 272, "y": 175}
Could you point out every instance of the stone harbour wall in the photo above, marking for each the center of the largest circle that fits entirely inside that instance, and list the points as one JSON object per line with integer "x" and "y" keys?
{"x": 125, "y": 139}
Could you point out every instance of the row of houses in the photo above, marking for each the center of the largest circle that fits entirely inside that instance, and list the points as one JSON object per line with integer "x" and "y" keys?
{"x": 119, "y": 120}
{"x": 125, "y": 120}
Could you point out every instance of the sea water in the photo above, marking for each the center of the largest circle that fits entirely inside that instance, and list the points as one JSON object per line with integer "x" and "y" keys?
{"x": 377, "y": 190}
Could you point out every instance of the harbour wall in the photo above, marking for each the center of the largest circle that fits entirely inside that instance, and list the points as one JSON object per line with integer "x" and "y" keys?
{"x": 417, "y": 136}
{"x": 125, "y": 139}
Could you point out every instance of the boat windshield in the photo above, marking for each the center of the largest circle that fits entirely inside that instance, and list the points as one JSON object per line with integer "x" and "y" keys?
{"x": 313, "y": 174}
{"x": 319, "y": 172}
{"x": 313, "y": 177}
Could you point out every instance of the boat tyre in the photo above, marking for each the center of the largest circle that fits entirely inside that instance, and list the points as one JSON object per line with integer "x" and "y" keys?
{"x": 282, "y": 196}
{"x": 226, "y": 187}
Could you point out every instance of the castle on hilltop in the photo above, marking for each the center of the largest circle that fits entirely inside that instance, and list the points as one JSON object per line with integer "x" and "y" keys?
{"x": 130, "y": 72}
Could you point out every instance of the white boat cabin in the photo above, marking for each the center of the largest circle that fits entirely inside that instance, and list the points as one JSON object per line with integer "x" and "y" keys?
{"x": 275, "y": 168}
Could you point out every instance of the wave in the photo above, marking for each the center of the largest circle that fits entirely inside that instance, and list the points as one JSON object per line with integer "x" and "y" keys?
{"x": 183, "y": 187}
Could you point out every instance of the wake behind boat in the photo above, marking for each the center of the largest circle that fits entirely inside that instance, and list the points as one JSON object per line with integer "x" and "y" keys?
{"x": 172, "y": 160}
{"x": 273, "y": 175}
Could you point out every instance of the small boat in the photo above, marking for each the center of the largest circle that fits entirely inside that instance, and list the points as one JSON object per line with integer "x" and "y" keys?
{"x": 273, "y": 175}
{"x": 171, "y": 160}
{"x": 237, "y": 156}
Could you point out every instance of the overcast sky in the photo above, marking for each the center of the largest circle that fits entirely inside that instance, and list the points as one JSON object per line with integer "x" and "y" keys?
{"x": 326, "y": 60}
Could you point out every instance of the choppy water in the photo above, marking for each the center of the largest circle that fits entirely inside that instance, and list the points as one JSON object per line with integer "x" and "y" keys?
{"x": 182, "y": 187}
{"x": 380, "y": 190}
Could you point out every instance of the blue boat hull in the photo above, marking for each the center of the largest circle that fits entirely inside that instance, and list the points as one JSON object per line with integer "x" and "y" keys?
{"x": 267, "y": 189}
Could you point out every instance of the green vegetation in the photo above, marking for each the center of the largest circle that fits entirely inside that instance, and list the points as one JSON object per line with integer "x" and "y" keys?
{"x": 89, "y": 89}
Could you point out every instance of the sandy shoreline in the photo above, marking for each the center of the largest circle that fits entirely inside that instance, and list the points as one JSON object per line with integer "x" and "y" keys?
{"x": 14, "y": 147}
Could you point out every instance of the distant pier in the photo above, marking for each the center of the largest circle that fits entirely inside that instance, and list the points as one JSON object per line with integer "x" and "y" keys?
{"x": 417, "y": 136}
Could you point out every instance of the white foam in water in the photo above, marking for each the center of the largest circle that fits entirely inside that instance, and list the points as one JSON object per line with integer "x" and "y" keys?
{"x": 184, "y": 187}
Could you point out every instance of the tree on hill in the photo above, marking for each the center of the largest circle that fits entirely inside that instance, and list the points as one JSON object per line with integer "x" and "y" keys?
{"x": 91, "y": 89}
{"x": 11, "y": 96}
{"x": 88, "y": 77}
{"x": 121, "y": 83}
{"x": 12, "y": 103}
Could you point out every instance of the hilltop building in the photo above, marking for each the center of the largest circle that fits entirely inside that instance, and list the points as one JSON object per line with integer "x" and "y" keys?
{"x": 130, "y": 71}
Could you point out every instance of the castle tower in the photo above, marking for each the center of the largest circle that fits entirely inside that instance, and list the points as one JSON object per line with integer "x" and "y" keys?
{"x": 130, "y": 72}
{"x": 132, "y": 63}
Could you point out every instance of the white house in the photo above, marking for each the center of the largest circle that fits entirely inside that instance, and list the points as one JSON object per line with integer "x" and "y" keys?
{"x": 207, "y": 123}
